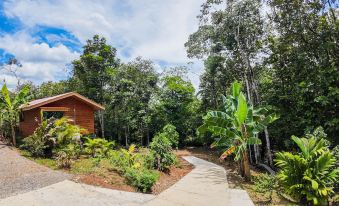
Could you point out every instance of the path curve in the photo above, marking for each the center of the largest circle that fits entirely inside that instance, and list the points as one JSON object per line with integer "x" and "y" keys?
{"x": 205, "y": 185}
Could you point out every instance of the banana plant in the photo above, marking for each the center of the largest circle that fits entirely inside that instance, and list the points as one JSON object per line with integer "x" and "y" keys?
{"x": 236, "y": 127}
{"x": 12, "y": 107}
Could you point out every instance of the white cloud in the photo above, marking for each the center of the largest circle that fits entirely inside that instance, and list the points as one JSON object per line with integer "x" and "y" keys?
{"x": 153, "y": 29}
{"x": 40, "y": 62}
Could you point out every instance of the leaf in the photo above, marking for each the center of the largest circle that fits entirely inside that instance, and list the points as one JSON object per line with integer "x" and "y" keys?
{"x": 20, "y": 97}
{"x": 6, "y": 97}
{"x": 254, "y": 140}
{"x": 227, "y": 152}
{"x": 301, "y": 145}
{"x": 242, "y": 109}
{"x": 217, "y": 131}
{"x": 236, "y": 87}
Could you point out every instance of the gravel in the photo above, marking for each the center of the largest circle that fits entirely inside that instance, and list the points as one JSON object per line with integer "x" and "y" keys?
{"x": 19, "y": 175}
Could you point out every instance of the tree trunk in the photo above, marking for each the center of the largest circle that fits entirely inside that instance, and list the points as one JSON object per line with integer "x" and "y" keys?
{"x": 268, "y": 148}
{"x": 126, "y": 137}
{"x": 13, "y": 134}
{"x": 250, "y": 150}
{"x": 246, "y": 165}
{"x": 148, "y": 136}
{"x": 241, "y": 168}
{"x": 101, "y": 118}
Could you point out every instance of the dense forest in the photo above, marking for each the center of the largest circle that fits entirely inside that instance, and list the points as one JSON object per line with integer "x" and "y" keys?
{"x": 284, "y": 53}
{"x": 270, "y": 76}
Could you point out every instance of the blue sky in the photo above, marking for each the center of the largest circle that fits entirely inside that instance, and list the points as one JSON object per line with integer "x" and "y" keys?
{"x": 46, "y": 35}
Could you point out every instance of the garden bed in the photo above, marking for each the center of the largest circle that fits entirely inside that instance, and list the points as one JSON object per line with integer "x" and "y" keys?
{"x": 99, "y": 173}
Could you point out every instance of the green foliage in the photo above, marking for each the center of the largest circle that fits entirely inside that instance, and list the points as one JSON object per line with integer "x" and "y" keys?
{"x": 130, "y": 91}
{"x": 92, "y": 70}
{"x": 65, "y": 132}
{"x": 161, "y": 150}
{"x": 335, "y": 152}
{"x": 40, "y": 143}
{"x": 302, "y": 81}
{"x": 177, "y": 104}
{"x": 135, "y": 167}
{"x": 172, "y": 135}
{"x": 237, "y": 126}
{"x": 266, "y": 184}
{"x": 309, "y": 175}
{"x": 98, "y": 147}
{"x": 10, "y": 110}
{"x": 141, "y": 179}
{"x": 52, "y": 134}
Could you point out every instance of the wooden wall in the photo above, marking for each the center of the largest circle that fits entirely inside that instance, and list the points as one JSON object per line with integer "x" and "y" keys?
{"x": 81, "y": 113}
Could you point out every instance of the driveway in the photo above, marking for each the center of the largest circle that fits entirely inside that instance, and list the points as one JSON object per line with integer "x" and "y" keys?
{"x": 205, "y": 185}
{"x": 20, "y": 175}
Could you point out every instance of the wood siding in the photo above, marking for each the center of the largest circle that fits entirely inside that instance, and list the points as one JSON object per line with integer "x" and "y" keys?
{"x": 81, "y": 113}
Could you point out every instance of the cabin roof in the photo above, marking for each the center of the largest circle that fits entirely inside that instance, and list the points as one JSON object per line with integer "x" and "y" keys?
{"x": 40, "y": 102}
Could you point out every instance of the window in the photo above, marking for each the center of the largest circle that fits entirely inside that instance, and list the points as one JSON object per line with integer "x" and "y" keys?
{"x": 50, "y": 114}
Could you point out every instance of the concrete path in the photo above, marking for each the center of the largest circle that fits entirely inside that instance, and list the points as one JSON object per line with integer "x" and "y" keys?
{"x": 68, "y": 193}
{"x": 205, "y": 185}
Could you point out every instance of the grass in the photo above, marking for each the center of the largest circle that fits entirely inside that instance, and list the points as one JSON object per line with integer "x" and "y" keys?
{"x": 84, "y": 166}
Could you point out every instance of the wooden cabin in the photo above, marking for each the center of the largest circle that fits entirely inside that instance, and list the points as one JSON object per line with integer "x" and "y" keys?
{"x": 73, "y": 105}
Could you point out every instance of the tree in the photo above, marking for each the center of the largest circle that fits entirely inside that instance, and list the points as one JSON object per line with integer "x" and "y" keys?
{"x": 177, "y": 104}
{"x": 237, "y": 127}
{"x": 302, "y": 82}
{"x": 11, "y": 107}
{"x": 131, "y": 88}
{"x": 93, "y": 69}
{"x": 232, "y": 38}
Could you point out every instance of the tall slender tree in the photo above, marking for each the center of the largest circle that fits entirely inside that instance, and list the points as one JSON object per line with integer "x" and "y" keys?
{"x": 92, "y": 70}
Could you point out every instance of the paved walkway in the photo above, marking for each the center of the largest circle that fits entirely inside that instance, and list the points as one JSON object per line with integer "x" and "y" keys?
{"x": 69, "y": 193}
{"x": 205, "y": 185}
{"x": 19, "y": 175}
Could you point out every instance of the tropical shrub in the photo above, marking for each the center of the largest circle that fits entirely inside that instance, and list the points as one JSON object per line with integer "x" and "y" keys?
{"x": 309, "y": 175}
{"x": 142, "y": 179}
{"x": 52, "y": 134}
{"x": 40, "y": 143}
{"x": 336, "y": 165}
{"x": 64, "y": 159}
{"x": 172, "y": 135}
{"x": 266, "y": 184}
{"x": 161, "y": 150}
{"x": 237, "y": 127}
{"x": 123, "y": 159}
{"x": 98, "y": 147}
{"x": 64, "y": 132}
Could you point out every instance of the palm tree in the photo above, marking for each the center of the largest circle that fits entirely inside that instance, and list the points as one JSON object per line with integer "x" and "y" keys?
{"x": 237, "y": 127}
{"x": 11, "y": 107}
